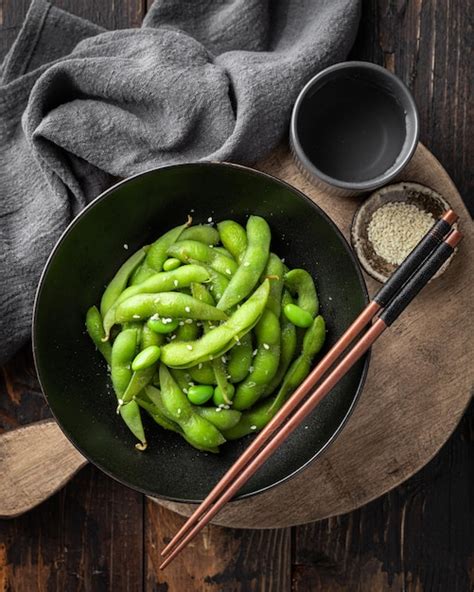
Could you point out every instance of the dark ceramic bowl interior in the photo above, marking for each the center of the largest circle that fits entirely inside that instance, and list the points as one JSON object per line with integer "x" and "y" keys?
{"x": 355, "y": 126}
{"x": 73, "y": 375}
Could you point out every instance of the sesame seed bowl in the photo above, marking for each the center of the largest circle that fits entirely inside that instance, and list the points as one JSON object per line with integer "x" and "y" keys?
{"x": 390, "y": 223}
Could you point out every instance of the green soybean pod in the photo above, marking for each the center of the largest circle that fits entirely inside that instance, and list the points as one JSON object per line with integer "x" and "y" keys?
{"x": 181, "y": 411}
{"x": 156, "y": 254}
{"x": 265, "y": 363}
{"x": 223, "y": 397}
{"x": 202, "y": 233}
{"x": 233, "y": 237}
{"x": 96, "y": 333}
{"x": 123, "y": 352}
{"x": 300, "y": 283}
{"x": 149, "y": 337}
{"x": 201, "y": 293}
{"x": 188, "y": 251}
{"x": 166, "y": 304}
{"x": 159, "y": 413}
{"x": 119, "y": 282}
{"x": 154, "y": 411}
{"x": 217, "y": 284}
{"x": 203, "y": 373}
{"x": 220, "y": 339}
{"x": 287, "y": 348}
{"x": 139, "y": 380}
{"x": 224, "y": 251}
{"x": 131, "y": 416}
{"x": 187, "y": 331}
{"x": 164, "y": 281}
{"x": 182, "y": 379}
{"x": 313, "y": 341}
{"x": 240, "y": 359}
{"x": 252, "y": 420}
{"x": 253, "y": 263}
{"x": 274, "y": 270}
{"x": 223, "y": 419}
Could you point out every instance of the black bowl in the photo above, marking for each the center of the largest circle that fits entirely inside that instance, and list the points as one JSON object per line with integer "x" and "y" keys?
{"x": 74, "y": 377}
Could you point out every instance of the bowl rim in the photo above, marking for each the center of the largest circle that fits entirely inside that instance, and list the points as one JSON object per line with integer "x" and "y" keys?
{"x": 211, "y": 164}
{"x": 407, "y": 151}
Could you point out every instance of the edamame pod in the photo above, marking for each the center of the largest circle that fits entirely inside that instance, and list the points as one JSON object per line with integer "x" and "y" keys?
{"x": 189, "y": 251}
{"x": 287, "y": 348}
{"x": 203, "y": 373}
{"x": 202, "y": 233}
{"x": 149, "y": 337}
{"x": 180, "y": 410}
{"x": 220, "y": 339}
{"x": 252, "y": 420}
{"x": 131, "y": 416}
{"x": 156, "y": 254}
{"x": 275, "y": 270}
{"x": 253, "y": 263}
{"x": 313, "y": 341}
{"x": 233, "y": 237}
{"x": 166, "y": 304}
{"x": 123, "y": 352}
{"x": 158, "y": 282}
{"x": 240, "y": 359}
{"x": 299, "y": 282}
{"x": 96, "y": 333}
{"x": 265, "y": 363}
{"x": 223, "y": 419}
{"x": 119, "y": 282}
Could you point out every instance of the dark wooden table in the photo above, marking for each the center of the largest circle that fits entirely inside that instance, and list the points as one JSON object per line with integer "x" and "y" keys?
{"x": 98, "y": 535}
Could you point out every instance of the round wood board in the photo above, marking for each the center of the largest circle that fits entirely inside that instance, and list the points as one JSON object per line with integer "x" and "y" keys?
{"x": 419, "y": 382}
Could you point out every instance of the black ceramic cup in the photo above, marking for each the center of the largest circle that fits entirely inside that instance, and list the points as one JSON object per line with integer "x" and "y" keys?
{"x": 354, "y": 128}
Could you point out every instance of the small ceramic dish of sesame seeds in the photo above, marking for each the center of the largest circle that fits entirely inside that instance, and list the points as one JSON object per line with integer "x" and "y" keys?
{"x": 391, "y": 222}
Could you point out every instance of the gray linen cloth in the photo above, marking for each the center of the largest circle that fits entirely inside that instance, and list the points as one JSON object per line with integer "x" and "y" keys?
{"x": 80, "y": 106}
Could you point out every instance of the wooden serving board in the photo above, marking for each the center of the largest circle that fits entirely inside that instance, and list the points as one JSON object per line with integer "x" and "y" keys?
{"x": 419, "y": 383}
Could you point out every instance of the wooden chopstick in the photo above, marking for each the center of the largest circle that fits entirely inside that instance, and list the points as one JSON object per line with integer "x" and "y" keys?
{"x": 239, "y": 472}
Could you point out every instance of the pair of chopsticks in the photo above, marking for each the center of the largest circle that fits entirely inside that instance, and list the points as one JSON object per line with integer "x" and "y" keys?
{"x": 389, "y": 302}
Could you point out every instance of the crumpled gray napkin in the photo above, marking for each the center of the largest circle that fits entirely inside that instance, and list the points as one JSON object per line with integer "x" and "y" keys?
{"x": 201, "y": 79}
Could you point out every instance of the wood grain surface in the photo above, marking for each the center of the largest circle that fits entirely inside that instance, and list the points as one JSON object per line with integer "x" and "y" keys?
{"x": 97, "y": 535}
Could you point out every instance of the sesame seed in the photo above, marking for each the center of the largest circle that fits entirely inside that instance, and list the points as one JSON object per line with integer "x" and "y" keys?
{"x": 246, "y": 264}
{"x": 228, "y": 271}
{"x": 255, "y": 352}
{"x": 176, "y": 283}
{"x": 157, "y": 300}
{"x": 181, "y": 323}
{"x": 185, "y": 391}
{"x": 253, "y": 427}
{"x": 200, "y": 365}
{"x": 251, "y": 368}
{"x": 190, "y": 347}
{"x": 396, "y": 228}
{"x": 209, "y": 219}
{"x": 187, "y": 309}
{"x": 136, "y": 316}
{"x": 218, "y": 409}
{"x": 125, "y": 246}
{"x": 266, "y": 346}
{"x": 189, "y": 321}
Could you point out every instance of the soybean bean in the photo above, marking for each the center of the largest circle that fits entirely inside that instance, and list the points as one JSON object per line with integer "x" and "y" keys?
{"x": 223, "y": 419}
{"x": 199, "y": 394}
{"x": 171, "y": 264}
{"x": 146, "y": 358}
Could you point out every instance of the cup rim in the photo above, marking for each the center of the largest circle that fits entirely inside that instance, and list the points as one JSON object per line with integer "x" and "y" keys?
{"x": 391, "y": 172}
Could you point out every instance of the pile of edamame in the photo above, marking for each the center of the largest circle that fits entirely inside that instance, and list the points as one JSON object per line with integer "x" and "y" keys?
{"x": 207, "y": 331}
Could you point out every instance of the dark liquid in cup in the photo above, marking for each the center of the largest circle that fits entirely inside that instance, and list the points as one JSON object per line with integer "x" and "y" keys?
{"x": 352, "y": 129}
